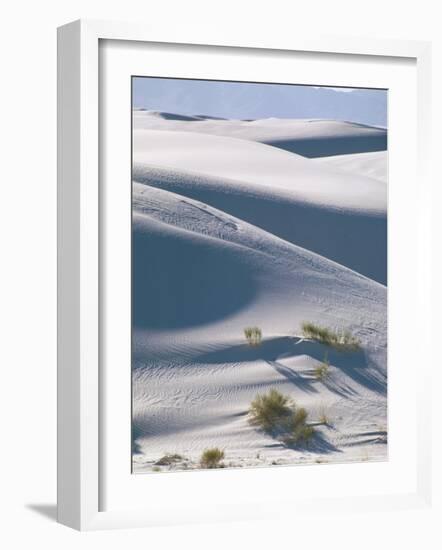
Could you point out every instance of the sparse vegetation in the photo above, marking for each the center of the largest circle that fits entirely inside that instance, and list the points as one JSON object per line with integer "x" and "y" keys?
{"x": 300, "y": 434}
{"x": 156, "y": 469}
{"x": 341, "y": 341}
{"x": 323, "y": 369}
{"x": 300, "y": 431}
{"x": 168, "y": 459}
{"x": 298, "y": 418}
{"x": 270, "y": 411}
{"x": 277, "y": 414}
{"x": 253, "y": 335}
{"x": 211, "y": 458}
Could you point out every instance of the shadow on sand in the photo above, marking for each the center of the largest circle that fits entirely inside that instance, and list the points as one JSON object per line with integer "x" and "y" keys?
{"x": 137, "y": 432}
{"x": 353, "y": 364}
{"x": 318, "y": 444}
{"x": 213, "y": 279}
{"x": 331, "y": 233}
{"x": 325, "y": 147}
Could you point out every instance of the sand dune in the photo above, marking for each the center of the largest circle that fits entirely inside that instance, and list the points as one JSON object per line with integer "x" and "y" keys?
{"x": 255, "y": 163}
{"x": 236, "y": 257}
{"x": 310, "y": 138}
{"x": 321, "y": 209}
{"x": 194, "y": 380}
{"x": 373, "y": 165}
{"x": 230, "y": 232}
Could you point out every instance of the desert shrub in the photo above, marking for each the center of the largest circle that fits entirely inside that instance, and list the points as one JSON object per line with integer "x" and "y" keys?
{"x": 253, "y": 335}
{"x": 168, "y": 459}
{"x": 301, "y": 434}
{"x": 322, "y": 370}
{"x": 277, "y": 414}
{"x": 341, "y": 341}
{"x": 315, "y": 332}
{"x": 298, "y": 418}
{"x": 270, "y": 411}
{"x": 211, "y": 458}
{"x": 347, "y": 342}
{"x": 298, "y": 429}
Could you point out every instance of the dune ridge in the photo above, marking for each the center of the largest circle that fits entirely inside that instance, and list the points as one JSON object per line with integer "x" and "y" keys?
{"x": 287, "y": 216}
{"x": 310, "y": 137}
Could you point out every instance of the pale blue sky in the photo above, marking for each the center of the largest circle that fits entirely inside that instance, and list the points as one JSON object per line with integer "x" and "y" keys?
{"x": 243, "y": 100}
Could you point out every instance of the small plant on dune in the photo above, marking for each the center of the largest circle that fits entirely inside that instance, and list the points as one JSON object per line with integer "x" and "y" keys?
{"x": 323, "y": 369}
{"x": 345, "y": 341}
{"x": 277, "y": 414}
{"x": 301, "y": 434}
{"x": 300, "y": 431}
{"x": 341, "y": 341}
{"x": 315, "y": 332}
{"x": 168, "y": 459}
{"x": 270, "y": 411}
{"x": 253, "y": 335}
{"x": 211, "y": 458}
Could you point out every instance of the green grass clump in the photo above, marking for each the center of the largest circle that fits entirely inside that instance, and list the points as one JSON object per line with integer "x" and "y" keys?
{"x": 270, "y": 411}
{"x": 324, "y": 417}
{"x": 322, "y": 370}
{"x": 253, "y": 335}
{"x": 301, "y": 434}
{"x": 211, "y": 458}
{"x": 341, "y": 341}
{"x": 299, "y": 430}
{"x": 168, "y": 459}
{"x": 315, "y": 332}
{"x": 277, "y": 414}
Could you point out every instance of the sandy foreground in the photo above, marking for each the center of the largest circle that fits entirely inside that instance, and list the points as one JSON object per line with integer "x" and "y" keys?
{"x": 267, "y": 223}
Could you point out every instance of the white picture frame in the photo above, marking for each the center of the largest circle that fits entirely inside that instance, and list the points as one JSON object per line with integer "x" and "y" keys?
{"x": 80, "y": 392}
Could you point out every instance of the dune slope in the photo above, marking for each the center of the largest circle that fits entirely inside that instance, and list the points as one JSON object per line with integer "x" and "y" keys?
{"x": 310, "y": 137}
{"x": 264, "y": 223}
{"x": 321, "y": 209}
{"x": 193, "y": 384}
{"x": 373, "y": 165}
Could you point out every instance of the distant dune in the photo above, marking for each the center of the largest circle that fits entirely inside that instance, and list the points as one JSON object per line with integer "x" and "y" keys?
{"x": 309, "y": 138}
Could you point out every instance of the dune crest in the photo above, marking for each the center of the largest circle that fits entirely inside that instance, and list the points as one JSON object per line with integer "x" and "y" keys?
{"x": 311, "y": 138}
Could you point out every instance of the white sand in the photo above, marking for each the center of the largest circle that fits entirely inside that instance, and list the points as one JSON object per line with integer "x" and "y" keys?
{"x": 311, "y": 138}
{"x": 373, "y": 165}
{"x": 230, "y": 233}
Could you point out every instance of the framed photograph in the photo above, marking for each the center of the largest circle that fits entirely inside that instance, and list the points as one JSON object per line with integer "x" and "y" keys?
{"x": 235, "y": 248}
